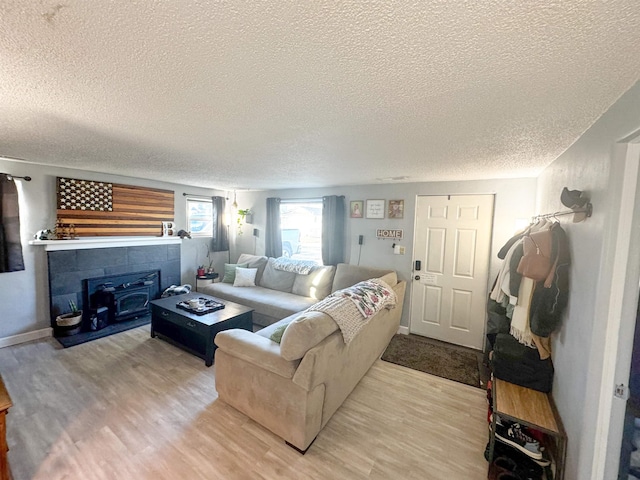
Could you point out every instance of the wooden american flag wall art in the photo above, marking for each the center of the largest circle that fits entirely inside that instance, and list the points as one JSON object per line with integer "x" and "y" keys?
{"x": 109, "y": 209}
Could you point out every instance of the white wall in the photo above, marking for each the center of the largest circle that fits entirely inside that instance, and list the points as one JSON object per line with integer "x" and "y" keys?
{"x": 579, "y": 353}
{"x": 514, "y": 199}
{"x": 24, "y": 301}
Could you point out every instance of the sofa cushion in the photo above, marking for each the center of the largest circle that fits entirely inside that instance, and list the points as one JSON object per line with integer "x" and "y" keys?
{"x": 277, "y": 279}
{"x": 348, "y": 275}
{"x": 317, "y": 284}
{"x": 265, "y": 301}
{"x": 254, "y": 261}
{"x": 230, "y": 271}
{"x": 305, "y": 332}
{"x": 245, "y": 277}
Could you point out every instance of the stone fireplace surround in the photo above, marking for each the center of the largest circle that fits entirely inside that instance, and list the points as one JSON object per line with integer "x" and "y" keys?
{"x": 70, "y": 268}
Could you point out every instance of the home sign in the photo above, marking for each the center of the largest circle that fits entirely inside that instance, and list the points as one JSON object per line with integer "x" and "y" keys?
{"x": 395, "y": 234}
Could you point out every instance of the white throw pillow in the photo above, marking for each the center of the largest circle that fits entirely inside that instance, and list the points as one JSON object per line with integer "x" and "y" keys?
{"x": 245, "y": 277}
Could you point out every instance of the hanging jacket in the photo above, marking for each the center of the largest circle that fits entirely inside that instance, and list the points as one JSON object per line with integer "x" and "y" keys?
{"x": 548, "y": 304}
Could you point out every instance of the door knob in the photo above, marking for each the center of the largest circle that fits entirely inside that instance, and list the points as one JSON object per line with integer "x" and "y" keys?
{"x": 417, "y": 277}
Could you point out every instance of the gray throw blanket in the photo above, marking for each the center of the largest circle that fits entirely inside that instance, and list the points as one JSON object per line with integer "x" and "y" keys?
{"x": 10, "y": 247}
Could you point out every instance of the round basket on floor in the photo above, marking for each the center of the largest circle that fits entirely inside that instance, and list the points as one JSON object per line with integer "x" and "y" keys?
{"x": 68, "y": 323}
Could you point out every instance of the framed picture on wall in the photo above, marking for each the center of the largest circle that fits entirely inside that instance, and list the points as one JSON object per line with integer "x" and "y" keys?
{"x": 396, "y": 209}
{"x": 357, "y": 207}
{"x": 375, "y": 209}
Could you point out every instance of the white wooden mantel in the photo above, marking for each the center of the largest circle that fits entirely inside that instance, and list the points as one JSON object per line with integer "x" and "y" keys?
{"x": 103, "y": 242}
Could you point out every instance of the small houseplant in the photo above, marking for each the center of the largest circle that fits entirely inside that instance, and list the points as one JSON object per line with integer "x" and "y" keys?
{"x": 210, "y": 258}
{"x": 202, "y": 268}
{"x": 69, "y": 323}
{"x": 241, "y": 216}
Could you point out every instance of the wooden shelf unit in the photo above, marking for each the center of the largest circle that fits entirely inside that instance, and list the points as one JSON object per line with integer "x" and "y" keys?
{"x": 533, "y": 409}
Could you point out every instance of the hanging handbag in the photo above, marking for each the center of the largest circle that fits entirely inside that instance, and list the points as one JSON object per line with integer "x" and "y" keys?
{"x": 536, "y": 262}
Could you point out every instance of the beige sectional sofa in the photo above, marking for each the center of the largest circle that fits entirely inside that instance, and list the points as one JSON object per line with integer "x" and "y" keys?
{"x": 293, "y": 388}
{"x": 277, "y": 294}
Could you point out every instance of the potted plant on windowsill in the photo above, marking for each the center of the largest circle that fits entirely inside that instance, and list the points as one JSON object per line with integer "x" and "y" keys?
{"x": 69, "y": 323}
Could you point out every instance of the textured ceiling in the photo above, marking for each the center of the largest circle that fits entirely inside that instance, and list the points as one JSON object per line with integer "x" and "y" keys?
{"x": 276, "y": 94}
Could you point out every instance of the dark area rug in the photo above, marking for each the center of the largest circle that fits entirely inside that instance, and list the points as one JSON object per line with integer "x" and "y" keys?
{"x": 437, "y": 358}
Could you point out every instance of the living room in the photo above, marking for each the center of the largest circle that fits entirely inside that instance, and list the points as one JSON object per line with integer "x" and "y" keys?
{"x": 592, "y": 350}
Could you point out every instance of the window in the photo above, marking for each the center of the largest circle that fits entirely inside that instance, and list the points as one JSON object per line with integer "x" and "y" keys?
{"x": 301, "y": 224}
{"x": 200, "y": 217}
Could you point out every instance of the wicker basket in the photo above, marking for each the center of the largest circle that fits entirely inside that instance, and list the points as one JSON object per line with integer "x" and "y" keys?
{"x": 69, "y": 319}
{"x": 68, "y": 323}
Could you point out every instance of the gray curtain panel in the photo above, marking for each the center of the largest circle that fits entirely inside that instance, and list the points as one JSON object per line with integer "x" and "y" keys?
{"x": 10, "y": 247}
{"x": 333, "y": 229}
{"x": 273, "y": 234}
{"x": 220, "y": 241}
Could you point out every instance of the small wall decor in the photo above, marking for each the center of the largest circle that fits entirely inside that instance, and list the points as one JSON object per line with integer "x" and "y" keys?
{"x": 396, "y": 209}
{"x": 357, "y": 207}
{"x": 395, "y": 234}
{"x": 375, "y": 209}
{"x": 168, "y": 229}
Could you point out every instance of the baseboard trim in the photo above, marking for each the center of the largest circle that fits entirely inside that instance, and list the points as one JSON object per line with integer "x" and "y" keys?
{"x": 26, "y": 337}
{"x": 403, "y": 330}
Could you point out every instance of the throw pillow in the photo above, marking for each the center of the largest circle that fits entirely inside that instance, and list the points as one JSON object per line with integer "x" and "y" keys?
{"x": 276, "y": 336}
{"x": 317, "y": 284}
{"x": 254, "y": 261}
{"x": 245, "y": 277}
{"x": 230, "y": 271}
{"x": 277, "y": 279}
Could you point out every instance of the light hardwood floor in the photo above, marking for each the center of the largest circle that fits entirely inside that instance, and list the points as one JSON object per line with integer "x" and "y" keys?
{"x": 132, "y": 407}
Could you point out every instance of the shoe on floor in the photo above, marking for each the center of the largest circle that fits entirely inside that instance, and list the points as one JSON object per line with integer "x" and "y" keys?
{"x": 513, "y": 434}
{"x": 506, "y": 456}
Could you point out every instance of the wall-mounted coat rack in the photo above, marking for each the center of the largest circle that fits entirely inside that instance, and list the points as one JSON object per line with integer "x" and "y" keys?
{"x": 576, "y": 200}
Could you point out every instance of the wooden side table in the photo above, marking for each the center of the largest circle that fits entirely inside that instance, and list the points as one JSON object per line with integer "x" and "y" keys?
{"x": 5, "y": 404}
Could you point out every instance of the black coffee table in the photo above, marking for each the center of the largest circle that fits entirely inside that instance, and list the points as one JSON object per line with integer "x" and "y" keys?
{"x": 195, "y": 333}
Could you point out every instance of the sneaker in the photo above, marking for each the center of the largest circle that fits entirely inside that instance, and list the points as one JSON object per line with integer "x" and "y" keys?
{"x": 528, "y": 468}
{"x": 512, "y": 434}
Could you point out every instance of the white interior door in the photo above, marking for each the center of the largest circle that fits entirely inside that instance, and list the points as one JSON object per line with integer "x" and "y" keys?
{"x": 449, "y": 291}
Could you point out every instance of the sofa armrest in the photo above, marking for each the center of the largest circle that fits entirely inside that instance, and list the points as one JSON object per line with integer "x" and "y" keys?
{"x": 257, "y": 350}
